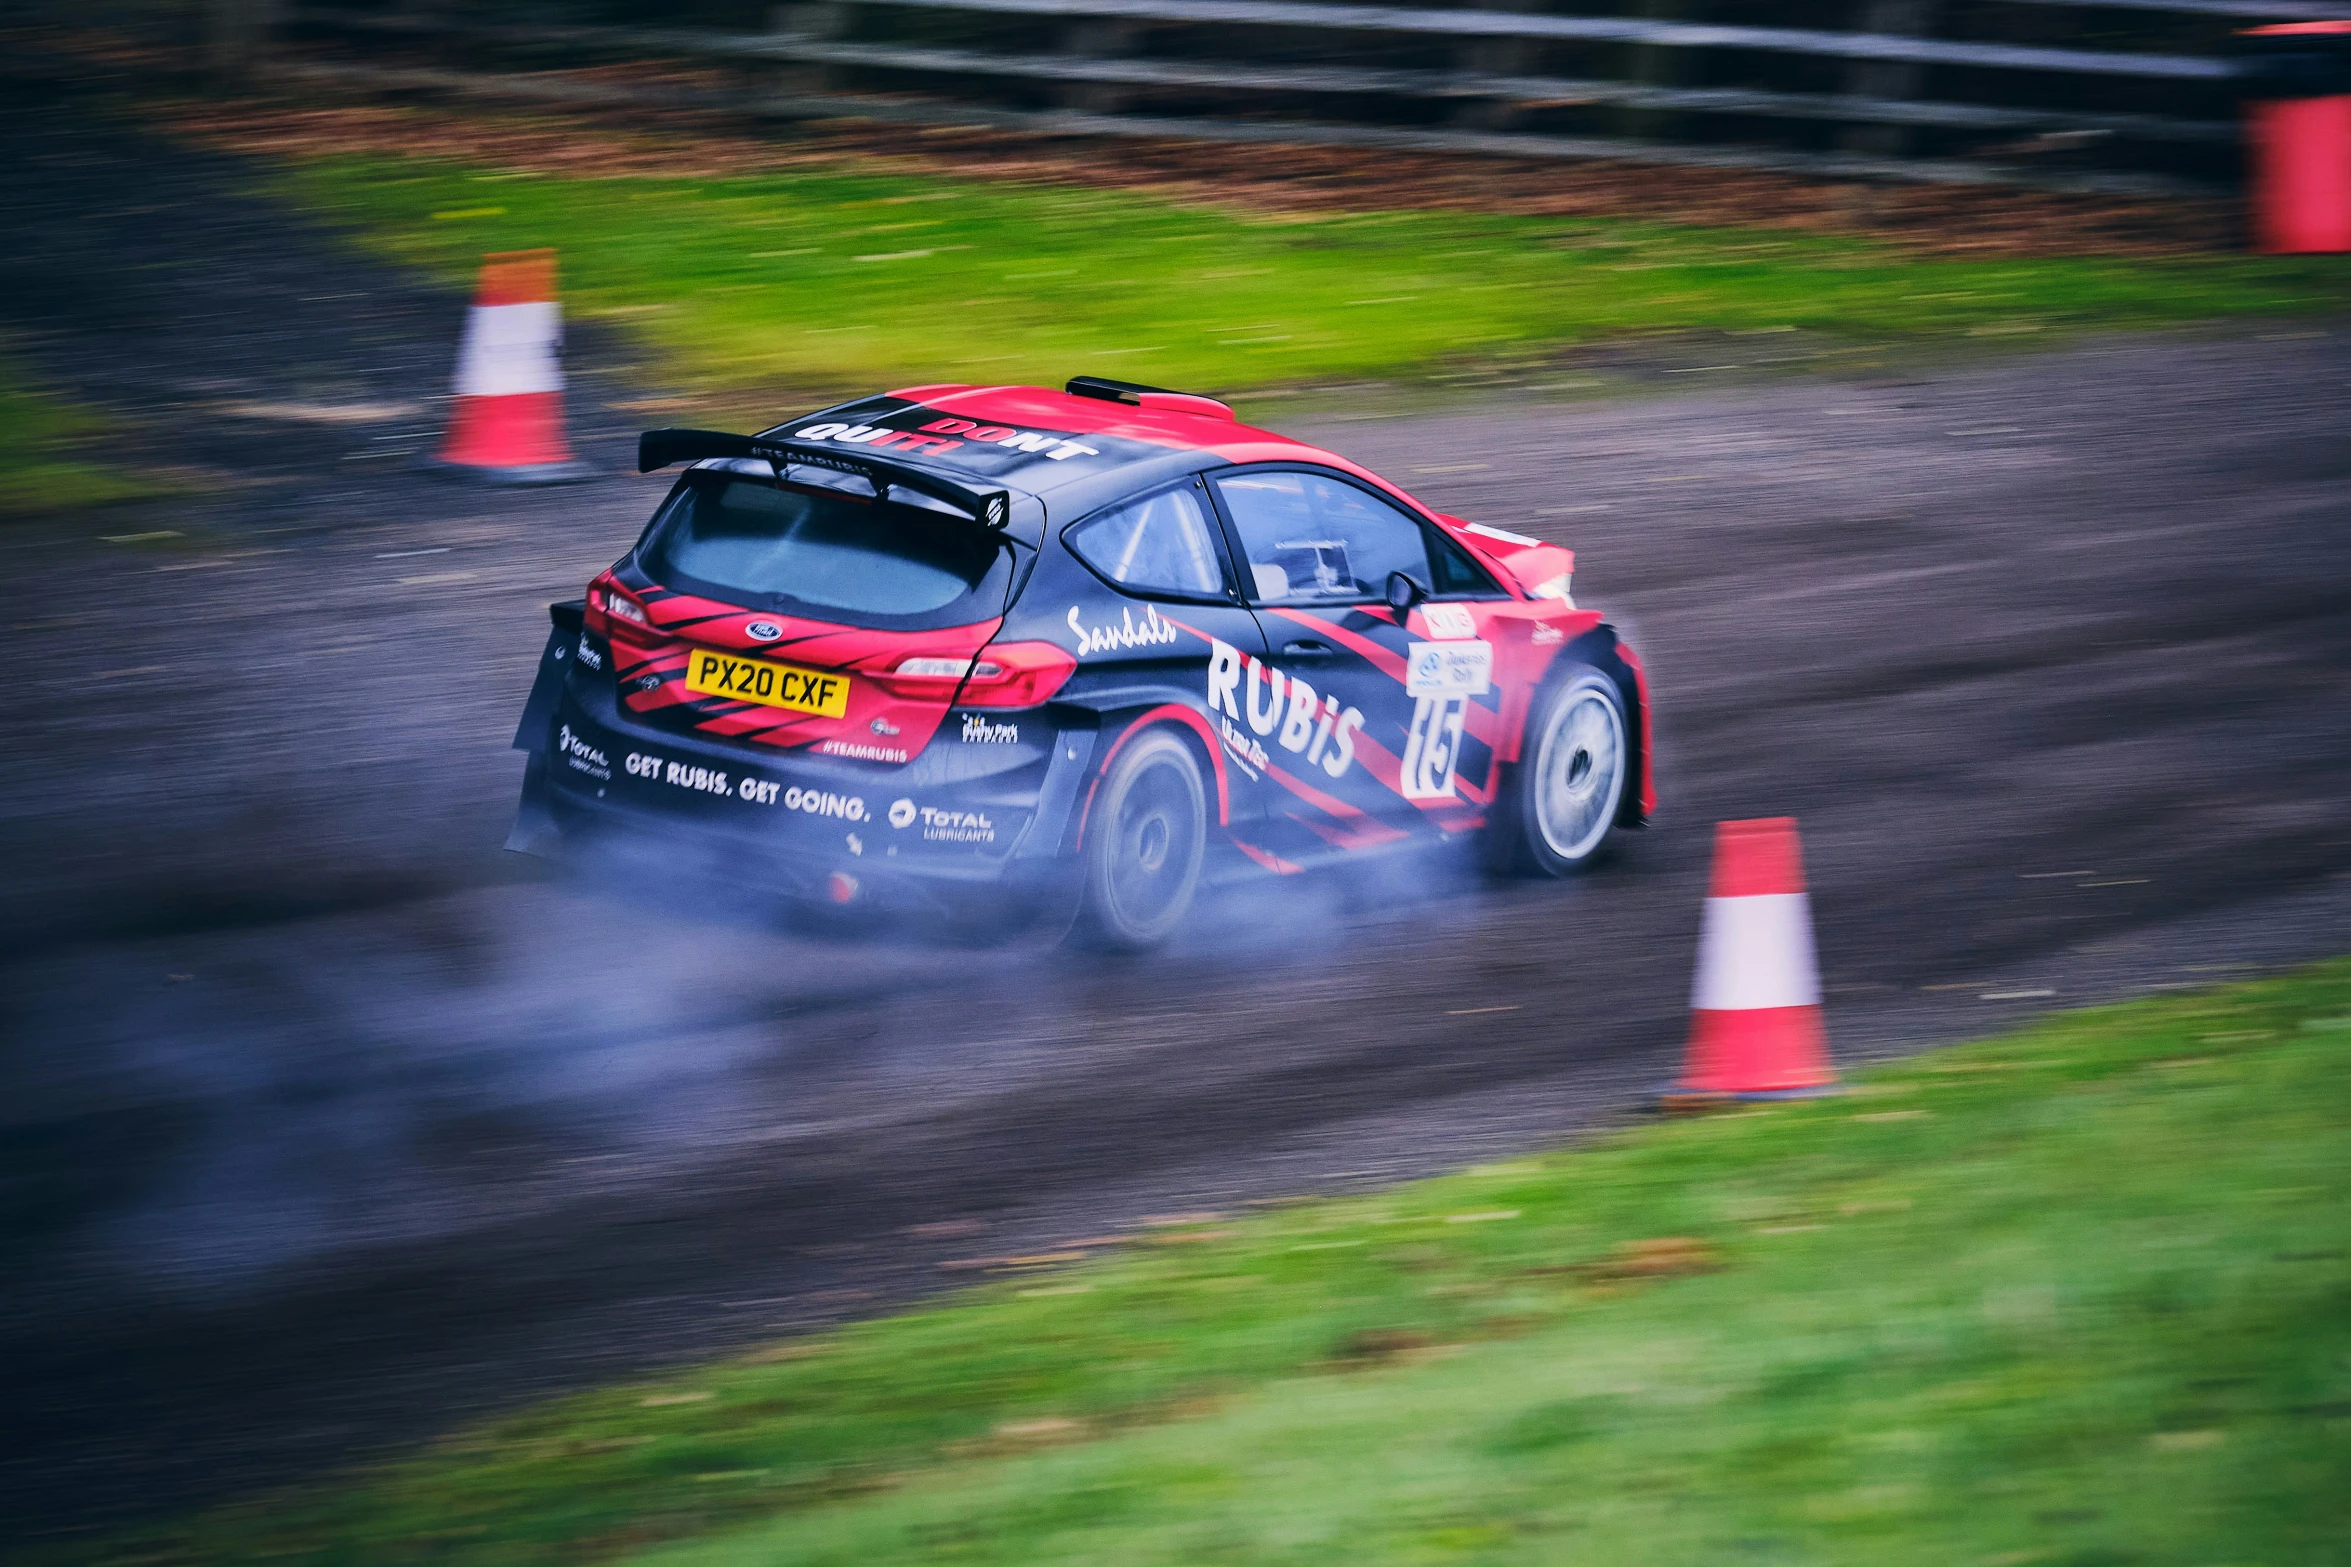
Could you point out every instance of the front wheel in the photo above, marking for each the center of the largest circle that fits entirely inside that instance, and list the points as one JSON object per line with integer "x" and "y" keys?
{"x": 1145, "y": 837}
{"x": 1563, "y": 799}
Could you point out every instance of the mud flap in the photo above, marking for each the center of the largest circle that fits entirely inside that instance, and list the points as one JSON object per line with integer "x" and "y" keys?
{"x": 554, "y": 663}
{"x": 534, "y": 830}
{"x": 1073, "y": 750}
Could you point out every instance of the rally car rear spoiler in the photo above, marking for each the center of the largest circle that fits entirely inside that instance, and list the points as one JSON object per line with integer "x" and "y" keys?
{"x": 660, "y": 448}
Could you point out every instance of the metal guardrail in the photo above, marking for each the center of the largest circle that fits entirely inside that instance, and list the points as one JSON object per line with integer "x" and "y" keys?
{"x": 549, "y": 88}
{"x": 1594, "y": 29}
{"x": 2242, "y": 10}
{"x": 1231, "y": 70}
{"x": 1504, "y": 88}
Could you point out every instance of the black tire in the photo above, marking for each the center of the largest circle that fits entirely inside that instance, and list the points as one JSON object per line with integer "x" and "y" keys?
{"x": 1146, "y": 835}
{"x": 1558, "y": 813}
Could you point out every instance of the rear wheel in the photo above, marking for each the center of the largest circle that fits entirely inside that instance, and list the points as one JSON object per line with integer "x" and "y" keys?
{"x": 1145, "y": 837}
{"x": 1570, "y": 780}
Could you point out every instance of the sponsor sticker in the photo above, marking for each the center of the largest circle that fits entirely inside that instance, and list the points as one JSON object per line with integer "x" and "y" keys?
{"x": 1043, "y": 443}
{"x": 945, "y": 435}
{"x": 1150, "y": 631}
{"x": 1441, "y": 677}
{"x": 981, "y": 731}
{"x": 943, "y": 826}
{"x": 1448, "y": 668}
{"x": 1451, "y": 622}
{"x": 879, "y": 437}
{"x": 856, "y": 751}
{"x": 1278, "y": 706}
{"x": 823, "y": 802}
{"x": 700, "y": 780}
{"x": 1246, "y": 749}
{"x": 710, "y": 780}
{"x": 957, "y": 826}
{"x": 580, "y": 756}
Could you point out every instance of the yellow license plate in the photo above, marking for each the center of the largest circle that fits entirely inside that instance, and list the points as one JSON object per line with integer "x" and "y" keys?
{"x": 771, "y": 684}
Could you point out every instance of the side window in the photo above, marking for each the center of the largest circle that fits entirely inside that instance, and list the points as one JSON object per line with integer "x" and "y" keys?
{"x": 1160, "y": 544}
{"x": 1457, "y": 574}
{"x": 1311, "y": 539}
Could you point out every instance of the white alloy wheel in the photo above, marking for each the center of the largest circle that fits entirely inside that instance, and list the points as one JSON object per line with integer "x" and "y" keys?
{"x": 1570, "y": 779}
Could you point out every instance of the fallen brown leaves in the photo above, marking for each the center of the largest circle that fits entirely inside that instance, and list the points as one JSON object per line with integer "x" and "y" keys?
{"x": 1646, "y": 1261}
{"x": 1674, "y": 1256}
{"x": 1369, "y": 1347}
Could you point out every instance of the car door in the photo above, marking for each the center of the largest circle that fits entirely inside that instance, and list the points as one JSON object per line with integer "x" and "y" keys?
{"x": 1379, "y": 727}
{"x": 1159, "y": 612}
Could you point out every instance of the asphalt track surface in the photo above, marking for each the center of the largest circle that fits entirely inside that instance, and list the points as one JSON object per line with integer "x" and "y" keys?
{"x": 325, "y": 1125}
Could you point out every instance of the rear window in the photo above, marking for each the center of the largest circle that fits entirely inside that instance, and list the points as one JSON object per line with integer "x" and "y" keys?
{"x": 828, "y": 557}
{"x": 1160, "y": 544}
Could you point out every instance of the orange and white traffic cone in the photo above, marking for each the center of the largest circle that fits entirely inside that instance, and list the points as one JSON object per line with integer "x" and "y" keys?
{"x": 507, "y": 423}
{"x": 1755, "y": 1029}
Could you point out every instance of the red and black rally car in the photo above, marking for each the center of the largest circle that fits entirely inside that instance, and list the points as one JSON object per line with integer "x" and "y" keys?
{"x": 1102, "y": 642}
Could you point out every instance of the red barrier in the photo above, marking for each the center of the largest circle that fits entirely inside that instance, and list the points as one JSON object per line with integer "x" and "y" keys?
{"x": 2298, "y": 135}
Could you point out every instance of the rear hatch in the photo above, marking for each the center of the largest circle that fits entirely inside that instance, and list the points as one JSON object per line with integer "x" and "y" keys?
{"x": 799, "y": 616}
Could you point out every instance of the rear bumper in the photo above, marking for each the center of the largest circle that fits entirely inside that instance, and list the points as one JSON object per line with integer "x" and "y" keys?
{"x": 959, "y": 816}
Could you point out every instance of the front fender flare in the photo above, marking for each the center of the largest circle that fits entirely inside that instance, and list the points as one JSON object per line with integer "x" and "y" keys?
{"x": 1180, "y": 714}
{"x": 1605, "y": 651}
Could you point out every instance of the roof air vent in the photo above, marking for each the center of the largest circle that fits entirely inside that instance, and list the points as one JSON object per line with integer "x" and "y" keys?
{"x": 1157, "y": 398}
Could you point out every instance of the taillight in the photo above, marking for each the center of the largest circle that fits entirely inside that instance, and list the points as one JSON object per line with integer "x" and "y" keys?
{"x": 939, "y": 668}
{"x": 1556, "y": 588}
{"x": 924, "y": 679}
{"x": 1009, "y": 674}
{"x": 1017, "y": 674}
{"x": 613, "y": 608}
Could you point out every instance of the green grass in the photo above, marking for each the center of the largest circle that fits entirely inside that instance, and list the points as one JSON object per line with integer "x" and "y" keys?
{"x": 40, "y": 436}
{"x": 2076, "y": 1295}
{"x": 778, "y": 285}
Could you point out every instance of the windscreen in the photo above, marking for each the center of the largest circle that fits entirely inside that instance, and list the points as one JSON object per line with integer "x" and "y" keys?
{"x": 827, "y": 557}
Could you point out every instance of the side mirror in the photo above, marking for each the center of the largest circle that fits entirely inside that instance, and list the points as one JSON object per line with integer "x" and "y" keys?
{"x": 1404, "y": 592}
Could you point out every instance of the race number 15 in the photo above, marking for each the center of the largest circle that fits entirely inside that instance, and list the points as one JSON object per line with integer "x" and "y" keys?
{"x": 1433, "y": 747}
